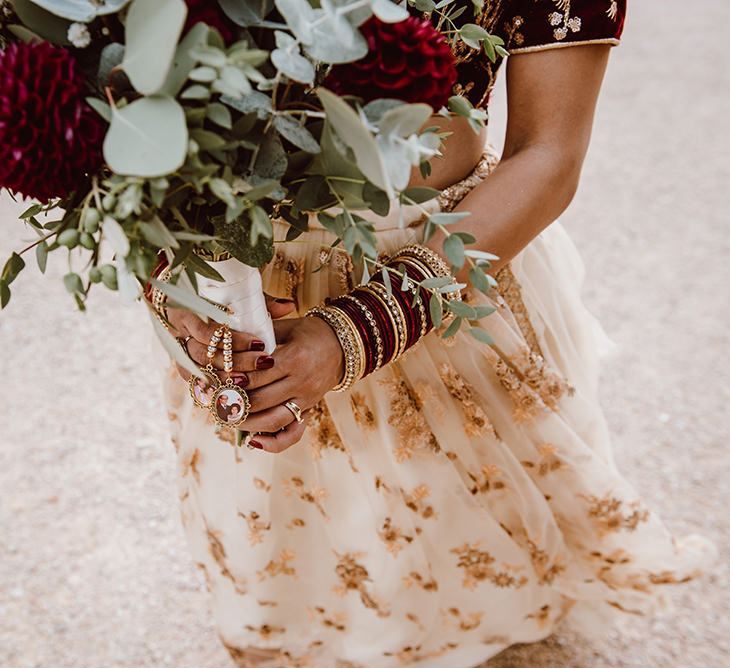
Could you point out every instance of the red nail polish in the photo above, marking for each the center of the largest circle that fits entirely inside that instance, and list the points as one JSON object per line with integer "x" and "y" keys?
{"x": 256, "y": 444}
{"x": 257, "y": 346}
{"x": 264, "y": 362}
{"x": 240, "y": 379}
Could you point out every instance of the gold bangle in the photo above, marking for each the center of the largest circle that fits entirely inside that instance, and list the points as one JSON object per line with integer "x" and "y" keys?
{"x": 360, "y": 360}
{"x": 413, "y": 262}
{"x": 398, "y": 315}
{"x": 437, "y": 265}
{"x": 348, "y": 343}
{"x": 373, "y": 325}
{"x": 386, "y": 308}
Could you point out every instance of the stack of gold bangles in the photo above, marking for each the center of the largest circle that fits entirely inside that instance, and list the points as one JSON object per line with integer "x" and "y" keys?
{"x": 376, "y": 323}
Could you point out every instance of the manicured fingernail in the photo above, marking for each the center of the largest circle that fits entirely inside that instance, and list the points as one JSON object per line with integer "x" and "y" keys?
{"x": 264, "y": 362}
{"x": 256, "y": 444}
{"x": 257, "y": 346}
{"x": 240, "y": 379}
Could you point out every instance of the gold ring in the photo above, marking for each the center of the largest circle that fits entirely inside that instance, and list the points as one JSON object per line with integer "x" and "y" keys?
{"x": 295, "y": 410}
{"x": 183, "y": 341}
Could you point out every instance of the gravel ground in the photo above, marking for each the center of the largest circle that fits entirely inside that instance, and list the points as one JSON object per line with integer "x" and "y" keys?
{"x": 94, "y": 569}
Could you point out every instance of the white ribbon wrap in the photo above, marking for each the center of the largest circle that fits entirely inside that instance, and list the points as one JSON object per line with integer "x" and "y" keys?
{"x": 242, "y": 292}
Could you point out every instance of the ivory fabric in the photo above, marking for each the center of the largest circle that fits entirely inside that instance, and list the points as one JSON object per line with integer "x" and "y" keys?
{"x": 451, "y": 504}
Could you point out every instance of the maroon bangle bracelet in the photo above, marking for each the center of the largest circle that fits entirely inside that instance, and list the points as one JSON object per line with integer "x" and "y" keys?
{"x": 358, "y": 319}
{"x": 382, "y": 317}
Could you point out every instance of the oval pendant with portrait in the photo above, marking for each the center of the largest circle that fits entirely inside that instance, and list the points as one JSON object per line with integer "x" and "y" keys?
{"x": 203, "y": 388}
{"x": 230, "y": 406}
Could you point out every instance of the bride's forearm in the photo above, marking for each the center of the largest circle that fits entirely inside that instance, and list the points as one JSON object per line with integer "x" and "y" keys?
{"x": 526, "y": 192}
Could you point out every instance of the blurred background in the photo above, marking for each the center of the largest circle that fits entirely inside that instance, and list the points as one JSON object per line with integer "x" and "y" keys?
{"x": 94, "y": 570}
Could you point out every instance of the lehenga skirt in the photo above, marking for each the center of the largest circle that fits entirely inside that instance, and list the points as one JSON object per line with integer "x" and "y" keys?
{"x": 453, "y": 503}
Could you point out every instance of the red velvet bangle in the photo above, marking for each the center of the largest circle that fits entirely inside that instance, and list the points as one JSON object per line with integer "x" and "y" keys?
{"x": 384, "y": 320}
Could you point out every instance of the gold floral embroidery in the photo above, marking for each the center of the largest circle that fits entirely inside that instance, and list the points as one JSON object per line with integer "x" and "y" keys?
{"x": 343, "y": 267}
{"x": 607, "y": 513}
{"x": 478, "y": 567}
{"x": 325, "y": 434}
{"x": 393, "y": 537}
{"x": 266, "y": 604}
{"x": 413, "y": 654}
{"x": 256, "y": 527}
{"x": 415, "y": 501}
{"x": 266, "y": 631}
{"x": 548, "y": 461}
{"x": 261, "y": 484}
{"x": 562, "y": 21}
{"x": 475, "y": 419}
{"x": 218, "y": 552}
{"x": 296, "y": 522}
{"x": 314, "y": 495}
{"x": 548, "y": 384}
{"x": 546, "y": 572}
{"x": 353, "y": 576}
{"x": 294, "y": 270}
{"x": 336, "y": 621}
{"x": 541, "y": 616}
{"x": 406, "y": 417}
{"x": 414, "y": 578}
{"x": 526, "y": 404}
{"x": 511, "y": 292}
{"x": 449, "y": 197}
{"x": 360, "y": 409}
{"x": 279, "y": 566}
{"x": 191, "y": 466}
{"x": 512, "y": 35}
{"x": 487, "y": 480}
{"x": 412, "y": 617}
{"x": 467, "y": 622}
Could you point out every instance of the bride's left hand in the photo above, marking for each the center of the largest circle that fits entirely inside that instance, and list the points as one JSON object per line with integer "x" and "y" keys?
{"x": 308, "y": 363}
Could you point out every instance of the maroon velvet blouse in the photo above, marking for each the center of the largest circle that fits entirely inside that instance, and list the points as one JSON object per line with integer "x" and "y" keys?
{"x": 532, "y": 25}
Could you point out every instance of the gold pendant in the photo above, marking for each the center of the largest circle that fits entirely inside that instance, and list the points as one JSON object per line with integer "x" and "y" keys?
{"x": 230, "y": 405}
{"x": 202, "y": 390}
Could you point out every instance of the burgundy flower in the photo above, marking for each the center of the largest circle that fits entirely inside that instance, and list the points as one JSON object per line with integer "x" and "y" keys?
{"x": 409, "y": 61}
{"x": 207, "y": 11}
{"x": 50, "y": 138}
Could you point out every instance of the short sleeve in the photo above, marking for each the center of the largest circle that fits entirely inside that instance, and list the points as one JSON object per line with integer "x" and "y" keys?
{"x": 536, "y": 25}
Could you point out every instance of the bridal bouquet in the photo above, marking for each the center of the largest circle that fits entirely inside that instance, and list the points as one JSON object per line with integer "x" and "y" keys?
{"x": 146, "y": 128}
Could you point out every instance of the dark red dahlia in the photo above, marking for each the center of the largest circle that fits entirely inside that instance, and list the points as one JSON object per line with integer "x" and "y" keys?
{"x": 205, "y": 11}
{"x": 409, "y": 61}
{"x": 50, "y": 138}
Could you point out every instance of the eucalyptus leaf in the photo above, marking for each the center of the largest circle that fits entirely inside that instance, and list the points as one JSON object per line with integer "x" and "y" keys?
{"x": 296, "y": 133}
{"x": 81, "y": 10}
{"x": 116, "y": 236}
{"x": 147, "y": 138}
{"x": 183, "y": 61}
{"x": 293, "y": 65}
{"x": 481, "y": 336}
{"x": 253, "y": 102}
{"x": 454, "y": 249}
{"x": 247, "y": 13}
{"x": 219, "y": 114}
{"x": 435, "y": 309}
{"x": 111, "y": 57}
{"x": 41, "y": 256}
{"x": 47, "y": 25}
{"x": 235, "y": 237}
{"x": 388, "y": 11}
{"x": 152, "y": 30}
{"x": 100, "y": 107}
{"x": 453, "y": 328}
{"x": 351, "y": 130}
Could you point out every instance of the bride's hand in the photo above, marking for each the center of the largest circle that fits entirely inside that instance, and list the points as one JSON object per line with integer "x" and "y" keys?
{"x": 248, "y": 352}
{"x": 308, "y": 363}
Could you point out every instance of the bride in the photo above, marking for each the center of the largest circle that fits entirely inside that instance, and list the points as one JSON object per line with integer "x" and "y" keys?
{"x": 464, "y": 497}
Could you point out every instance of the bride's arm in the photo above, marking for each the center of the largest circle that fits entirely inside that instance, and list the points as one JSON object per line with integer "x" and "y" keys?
{"x": 551, "y": 99}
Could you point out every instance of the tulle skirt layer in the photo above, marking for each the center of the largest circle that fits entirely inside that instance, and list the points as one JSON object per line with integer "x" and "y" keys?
{"x": 456, "y": 502}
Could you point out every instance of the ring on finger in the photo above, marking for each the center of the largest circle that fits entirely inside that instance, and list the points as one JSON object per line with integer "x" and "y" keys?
{"x": 183, "y": 341}
{"x": 296, "y": 411}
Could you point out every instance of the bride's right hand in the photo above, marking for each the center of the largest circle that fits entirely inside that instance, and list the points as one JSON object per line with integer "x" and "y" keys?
{"x": 248, "y": 351}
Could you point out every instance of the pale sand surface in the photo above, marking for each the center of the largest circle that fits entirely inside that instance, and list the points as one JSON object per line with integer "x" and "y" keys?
{"x": 94, "y": 570}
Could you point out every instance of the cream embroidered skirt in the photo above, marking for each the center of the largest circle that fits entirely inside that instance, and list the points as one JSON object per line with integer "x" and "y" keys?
{"x": 449, "y": 505}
